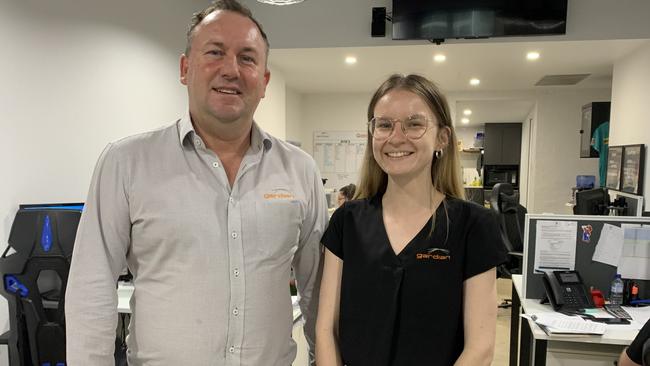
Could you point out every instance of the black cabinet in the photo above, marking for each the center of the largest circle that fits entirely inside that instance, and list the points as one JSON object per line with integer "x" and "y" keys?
{"x": 502, "y": 144}
{"x": 593, "y": 115}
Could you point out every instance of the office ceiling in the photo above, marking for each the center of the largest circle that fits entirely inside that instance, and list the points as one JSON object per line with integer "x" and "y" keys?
{"x": 501, "y": 68}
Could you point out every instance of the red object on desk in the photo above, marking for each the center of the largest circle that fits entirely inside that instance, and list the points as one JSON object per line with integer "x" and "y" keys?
{"x": 597, "y": 296}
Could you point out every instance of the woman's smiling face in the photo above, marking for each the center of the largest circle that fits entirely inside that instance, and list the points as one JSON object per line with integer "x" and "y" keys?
{"x": 399, "y": 155}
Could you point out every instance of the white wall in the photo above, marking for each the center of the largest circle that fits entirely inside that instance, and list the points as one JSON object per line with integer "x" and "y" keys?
{"x": 332, "y": 112}
{"x": 630, "y": 99}
{"x": 294, "y": 117}
{"x": 270, "y": 114}
{"x": 526, "y": 145}
{"x": 79, "y": 74}
{"x": 554, "y": 160}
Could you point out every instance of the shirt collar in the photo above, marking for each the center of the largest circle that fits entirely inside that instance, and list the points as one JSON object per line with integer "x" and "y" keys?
{"x": 259, "y": 138}
{"x": 185, "y": 127}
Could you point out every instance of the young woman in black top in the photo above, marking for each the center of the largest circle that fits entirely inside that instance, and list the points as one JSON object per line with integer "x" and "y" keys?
{"x": 409, "y": 275}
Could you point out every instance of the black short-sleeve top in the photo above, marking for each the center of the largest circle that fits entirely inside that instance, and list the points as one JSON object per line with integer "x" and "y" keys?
{"x": 407, "y": 308}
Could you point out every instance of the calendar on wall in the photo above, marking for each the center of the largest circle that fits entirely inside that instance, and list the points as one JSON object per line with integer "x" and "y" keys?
{"x": 339, "y": 155}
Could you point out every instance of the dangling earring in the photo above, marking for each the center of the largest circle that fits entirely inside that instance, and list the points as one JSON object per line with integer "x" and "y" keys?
{"x": 438, "y": 154}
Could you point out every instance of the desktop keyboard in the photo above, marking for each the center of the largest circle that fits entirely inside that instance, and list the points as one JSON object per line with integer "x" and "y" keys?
{"x": 617, "y": 311}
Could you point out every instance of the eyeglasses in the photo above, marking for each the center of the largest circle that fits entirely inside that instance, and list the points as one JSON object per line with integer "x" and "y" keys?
{"x": 383, "y": 128}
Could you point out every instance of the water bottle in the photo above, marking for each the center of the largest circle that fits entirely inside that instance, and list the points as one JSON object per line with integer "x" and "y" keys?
{"x": 616, "y": 291}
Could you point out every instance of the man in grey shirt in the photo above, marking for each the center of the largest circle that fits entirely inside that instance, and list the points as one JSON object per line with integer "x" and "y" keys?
{"x": 209, "y": 214}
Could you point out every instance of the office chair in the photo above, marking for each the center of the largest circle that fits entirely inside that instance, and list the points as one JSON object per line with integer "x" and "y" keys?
{"x": 511, "y": 217}
{"x": 646, "y": 353}
{"x": 34, "y": 270}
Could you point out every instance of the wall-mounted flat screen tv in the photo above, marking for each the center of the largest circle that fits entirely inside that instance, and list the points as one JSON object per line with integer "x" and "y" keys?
{"x": 441, "y": 19}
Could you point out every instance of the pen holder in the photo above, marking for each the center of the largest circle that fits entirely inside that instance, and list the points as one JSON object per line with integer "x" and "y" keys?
{"x": 599, "y": 299}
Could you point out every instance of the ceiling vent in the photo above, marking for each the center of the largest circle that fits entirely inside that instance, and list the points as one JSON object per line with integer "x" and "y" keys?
{"x": 555, "y": 80}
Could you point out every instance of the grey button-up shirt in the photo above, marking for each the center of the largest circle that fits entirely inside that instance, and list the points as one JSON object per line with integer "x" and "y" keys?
{"x": 211, "y": 263}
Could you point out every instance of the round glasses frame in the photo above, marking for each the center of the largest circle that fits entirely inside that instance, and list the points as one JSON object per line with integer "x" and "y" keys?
{"x": 410, "y": 134}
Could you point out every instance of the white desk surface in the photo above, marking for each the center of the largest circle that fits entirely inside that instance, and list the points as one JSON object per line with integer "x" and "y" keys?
{"x": 614, "y": 334}
{"x": 125, "y": 291}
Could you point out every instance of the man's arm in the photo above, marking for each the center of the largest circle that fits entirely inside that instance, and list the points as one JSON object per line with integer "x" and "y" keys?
{"x": 98, "y": 257}
{"x": 307, "y": 261}
{"x": 633, "y": 355}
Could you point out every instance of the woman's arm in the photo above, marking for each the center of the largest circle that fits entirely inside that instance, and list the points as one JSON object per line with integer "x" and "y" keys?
{"x": 480, "y": 319}
{"x": 633, "y": 354}
{"x": 625, "y": 360}
{"x": 327, "y": 349}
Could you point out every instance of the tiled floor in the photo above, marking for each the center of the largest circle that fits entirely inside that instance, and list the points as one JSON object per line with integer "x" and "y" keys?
{"x": 502, "y": 348}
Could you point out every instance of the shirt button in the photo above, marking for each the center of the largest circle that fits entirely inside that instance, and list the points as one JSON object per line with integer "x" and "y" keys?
{"x": 231, "y": 349}
{"x": 232, "y": 200}
{"x": 235, "y": 311}
{"x": 236, "y": 272}
{"x": 197, "y": 142}
{"x": 234, "y": 235}
{"x": 215, "y": 164}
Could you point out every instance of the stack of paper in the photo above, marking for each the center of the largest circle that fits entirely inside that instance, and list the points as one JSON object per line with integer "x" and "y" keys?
{"x": 556, "y": 323}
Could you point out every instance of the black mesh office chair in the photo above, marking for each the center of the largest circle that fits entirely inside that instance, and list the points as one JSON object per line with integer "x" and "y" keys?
{"x": 511, "y": 215}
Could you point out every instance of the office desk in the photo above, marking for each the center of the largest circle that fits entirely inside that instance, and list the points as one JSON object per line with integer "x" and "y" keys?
{"x": 534, "y": 339}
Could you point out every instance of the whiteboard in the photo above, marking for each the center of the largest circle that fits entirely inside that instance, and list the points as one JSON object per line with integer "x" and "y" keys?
{"x": 339, "y": 155}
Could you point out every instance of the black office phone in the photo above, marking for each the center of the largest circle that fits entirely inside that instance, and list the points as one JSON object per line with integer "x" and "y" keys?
{"x": 566, "y": 291}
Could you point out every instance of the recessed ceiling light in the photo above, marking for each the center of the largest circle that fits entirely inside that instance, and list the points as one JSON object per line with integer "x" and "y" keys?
{"x": 474, "y": 81}
{"x": 532, "y": 55}
{"x": 439, "y": 58}
{"x": 465, "y": 120}
{"x": 350, "y": 60}
{"x": 467, "y": 112}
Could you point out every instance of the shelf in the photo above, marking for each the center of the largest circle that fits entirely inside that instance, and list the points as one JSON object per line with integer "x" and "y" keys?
{"x": 472, "y": 151}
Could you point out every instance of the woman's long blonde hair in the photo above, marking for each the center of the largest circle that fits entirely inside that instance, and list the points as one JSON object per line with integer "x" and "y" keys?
{"x": 445, "y": 171}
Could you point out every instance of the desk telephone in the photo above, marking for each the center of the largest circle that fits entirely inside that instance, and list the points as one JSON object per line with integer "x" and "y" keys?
{"x": 566, "y": 291}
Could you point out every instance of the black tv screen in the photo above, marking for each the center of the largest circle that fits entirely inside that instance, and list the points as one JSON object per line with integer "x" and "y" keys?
{"x": 440, "y": 19}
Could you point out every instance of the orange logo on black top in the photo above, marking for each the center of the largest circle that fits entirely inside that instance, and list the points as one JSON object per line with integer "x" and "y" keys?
{"x": 437, "y": 254}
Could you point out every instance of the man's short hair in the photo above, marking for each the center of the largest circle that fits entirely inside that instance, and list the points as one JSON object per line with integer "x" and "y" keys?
{"x": 228, "y": 5}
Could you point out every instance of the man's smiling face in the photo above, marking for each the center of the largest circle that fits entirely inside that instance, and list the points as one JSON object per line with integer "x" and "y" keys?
{"x": 225, "y": 72}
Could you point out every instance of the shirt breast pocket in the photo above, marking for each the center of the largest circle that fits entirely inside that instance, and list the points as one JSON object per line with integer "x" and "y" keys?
{"x": 278, "y": 226}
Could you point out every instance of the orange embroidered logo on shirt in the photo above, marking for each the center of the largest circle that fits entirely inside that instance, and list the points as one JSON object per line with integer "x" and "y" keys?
{"x": 437, "y": 254}
{"x": 278, "y": 193}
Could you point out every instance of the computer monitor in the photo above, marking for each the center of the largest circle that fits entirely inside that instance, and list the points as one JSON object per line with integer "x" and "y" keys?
{"x": 591, "y": 202}
{"x": 632, "y": 204}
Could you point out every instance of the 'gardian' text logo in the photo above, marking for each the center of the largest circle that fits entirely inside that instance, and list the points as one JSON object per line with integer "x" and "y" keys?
{"x": 436, "y": 254}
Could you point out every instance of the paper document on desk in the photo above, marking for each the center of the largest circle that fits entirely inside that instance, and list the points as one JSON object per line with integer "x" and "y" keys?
{"x": 610, "y": 245}
{"x": 635, "y": 257}
{"x": 556, "y": 323}
{"x": 555, "y": 245}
